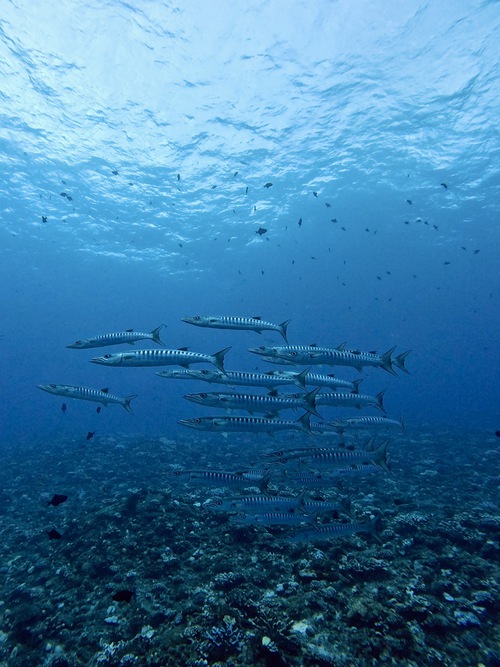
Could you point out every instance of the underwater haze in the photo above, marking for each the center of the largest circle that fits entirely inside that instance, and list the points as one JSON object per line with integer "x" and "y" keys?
{"x": 331, "y": 163}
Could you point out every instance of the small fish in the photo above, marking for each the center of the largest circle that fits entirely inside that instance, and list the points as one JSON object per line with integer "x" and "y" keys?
{"x": 54, "y": 534}
{"x": 129, "y": 336}
{"x": 64, "y": 407}
{"x": 444, "y": 185}
{"x": 328, "y": 205}
{"x": 57, "y": 499}
{"x": 90, "y": 435}
{"x": 115, "y": 172}
{"x": 315, "y": 194}
{"x": 180, "y": 357}
{"x": 300, "y": 222}
{"x": 246, "y": 190}
{"x": 123, "y": 595}
{"x": 98, "y": 409}
{"x": 237, "y": 323}
{"x": 44, "y": 218}
{"x": 261, "y": 231}
{"x": 85, "y": 394}
{"x": 409, "y": 201}
{"x": 178, "y": 177}
{"x": 268, "y": 185}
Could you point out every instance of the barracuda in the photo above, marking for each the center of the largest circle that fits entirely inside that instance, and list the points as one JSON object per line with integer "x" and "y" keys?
{"x": 351, "y": 400}
{"x": 330, "y": 531}
{"x": 256, "y": 504}
{"x": 319, "y": 380}
{"x": 372, "y": 423}
{"x": 236, "y": 378}
{"x": 222, "y": 478}
{"x": 313, "y": 355}
{"x": 242, "y": 424}
{"x": 180, "y": 357}
{"x": 129, "y": 336}
{"x": 271, "y": 404}
{"x": 85, "y": 394}
{"x": 274, "y": 519}
{"x": 242, "y": 323}
{"x": 336, "y": 457}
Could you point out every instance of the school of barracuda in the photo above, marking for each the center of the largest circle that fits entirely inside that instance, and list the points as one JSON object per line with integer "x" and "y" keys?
{"x": 285, "y": 476}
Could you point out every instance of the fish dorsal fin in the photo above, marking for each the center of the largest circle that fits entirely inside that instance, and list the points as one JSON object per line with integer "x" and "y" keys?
{"x": 183, "y": 349}
{"x": 105, "y": 390}
{"x": 341, "y": 346}
{"x": 331, "y": 375}
{"x": 273, "y": 392}
{"x": 313, "y": 344}
{"x": 128, "y": 330}
{"x": 372, "y": 352}
{"x": 256, "y": 317}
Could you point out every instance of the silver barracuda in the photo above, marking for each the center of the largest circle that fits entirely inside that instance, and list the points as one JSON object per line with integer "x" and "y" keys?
{"x": 223, "y": 478}
{"x": 270, "y": 404}
{"x": 273, "y": 519}
{"x": 326, "y": 506}
{"x": 85, "y": 394}
{"x": 329, "y": 531}
{"x": 319, "y": 380}
{"x": 351, "y": 400}
{"x": 180, "y": 357}
{"x": 246, "y": 424}
{"x": 368, "y": 423}
{"x": 335, "y": 458}
{"x": 235, "y": 378}
{"x": 256, "y": 504}
{"x": 242, "y": 323}
{"x": 129, "y": 336}
{"x": 339, "y": 356}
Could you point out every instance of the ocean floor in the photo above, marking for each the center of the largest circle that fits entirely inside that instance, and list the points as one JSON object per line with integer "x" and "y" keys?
{"x": 142, "y": 573}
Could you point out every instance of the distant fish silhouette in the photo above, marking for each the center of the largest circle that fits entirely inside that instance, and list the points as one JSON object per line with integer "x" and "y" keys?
{"x": 261, "y": 231}
{"x": 409, "y": 201}
{"x": 328, "y": 205}
{"x": 44, "y": 218}
{"x": 115, "y": 172}
{"x": 98, "y": 409}
{"x": 57, "y": 499}
{"x": 300, "y": 222}
{"x": 178, "y": 177}
{"x": 123, "y": 595}
{"x": 268, "y": 185}
{"x": 315, "y": 194}
{"x": 90, "y": 435}
{"x": 444, "y": 186}
{"x": 64, "y": 407}
{"x": 54, "y": 534}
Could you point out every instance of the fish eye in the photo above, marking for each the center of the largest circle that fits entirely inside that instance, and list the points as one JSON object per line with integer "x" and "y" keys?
{"x": 107, "y": 356}
{"x": 203, "y": 395}
{"x": 283, "y": 461}
{"x": 204, "y": 371}
{"x": 294, "y": 354}
{"x": 78, "y": 342}
{"x": 218, "y": 503}
{"x": 52, "y": 386}
{"x": 196, "y": 420}
{"x": 196, "y": 317}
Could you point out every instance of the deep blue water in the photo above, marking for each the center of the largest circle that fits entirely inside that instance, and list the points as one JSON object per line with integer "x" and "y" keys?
{"x": 369, "y": 106}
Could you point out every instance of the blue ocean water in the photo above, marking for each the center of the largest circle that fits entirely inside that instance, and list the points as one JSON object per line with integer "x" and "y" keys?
{"x": 144, "y": 144}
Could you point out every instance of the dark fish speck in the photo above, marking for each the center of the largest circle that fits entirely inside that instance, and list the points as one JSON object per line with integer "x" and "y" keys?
{"x": 57, "y": 499}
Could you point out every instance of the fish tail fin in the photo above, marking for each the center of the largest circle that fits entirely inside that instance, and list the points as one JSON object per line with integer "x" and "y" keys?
{"x": 399, "y": 361}
{"x": 126, "y": 403}
{"x": 345, "y": 506}
{"x": 300, "y": 378}
{"x": 155, "y": 335}
{"x": 380, "y": 400}
{"x": 372, "y": 527}
{"x": 264, "y": 482}
{"x": 386, "y": 361}
{"x": 380, "y": 457}
{"x": 305, "y": 422}
{"x": 402, "y": 424}
{"x": 283, "y": 326}
{"x": 356, "y": 384}
{"x": 311, "y": 403}
{"x": 218, "y": 358}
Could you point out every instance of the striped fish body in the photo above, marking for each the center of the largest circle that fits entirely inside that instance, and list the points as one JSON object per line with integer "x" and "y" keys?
{"x": 161, "y": 358}
{"x": 240, "y": 323}
{"x": 318, "y": 380}
{"x": 229, "y": 378}
{"x": 351, "y": 400}
{"x": 87, "y": 394}
{"x": 256, "y": 504}
{"x": 325, "y": 506}
{"x": 269, "y": 404}
{"x": 221, "y": 478}
{"x": 119, "y": 338}
{"x": 337, "y": 458}
{"x": 245, "y": 424}
{"x": 330, "y": 531}
{"x": 368, "y": 423}
{"x": 311, "y": 355}
{"x": 274, "y": 519}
